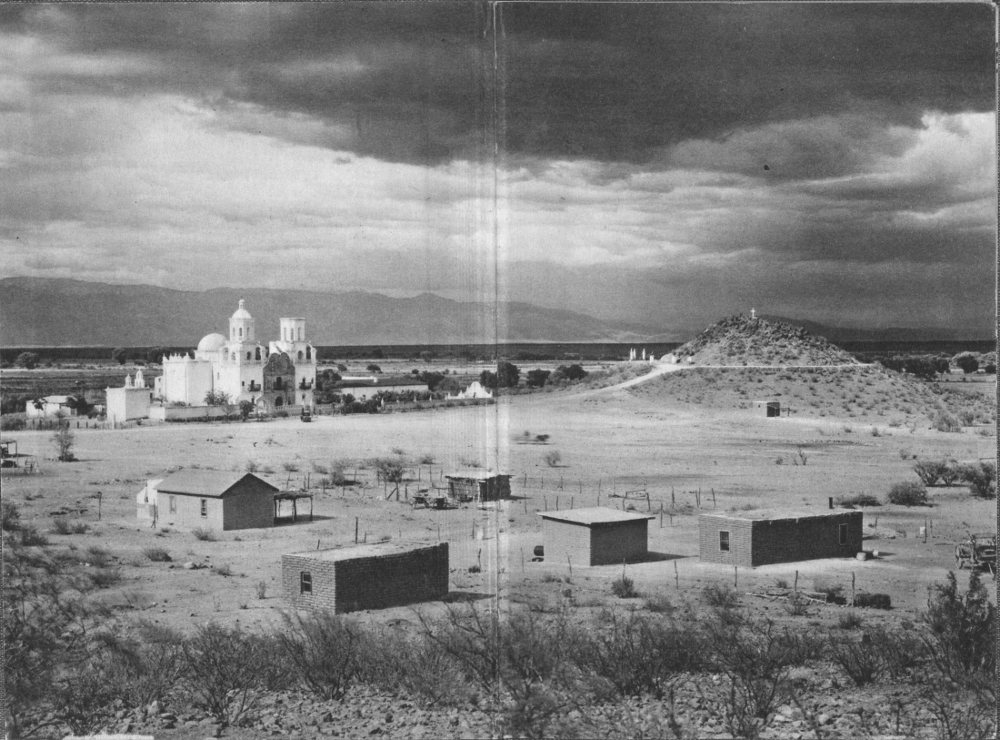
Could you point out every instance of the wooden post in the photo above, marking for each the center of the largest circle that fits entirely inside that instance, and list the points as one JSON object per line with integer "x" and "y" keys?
{"x": 570, "y": 563}
{"x": 673, "y": 500}
{"x": 581, "y": 487}
{"x": 439, "y": 532}
{"x": 661, "y": 515}
{"x": 560, "y": 482}
{"x": 317, "y": 543}
{"x": 925, "y": 531}
{"x": 355, "y": 530}
{"x": 100, "y": 496}
{"x": 649, "y": 505}
{"x": 736, "y": 576}
{"x": 852, "y": 588}
{"x": 525, "y": 501}
{"x": 522, "y": 558}
{"x": 796, "y": 587}
{"x": 677, "y": 578}
{"x": 713, "y": 498}
{"x": 310, "y": 508}
{"x": 557, "y": 502}
{"x": 525, "y": 485}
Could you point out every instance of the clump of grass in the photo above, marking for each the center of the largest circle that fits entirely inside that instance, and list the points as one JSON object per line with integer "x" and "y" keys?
{"x": 908, "y": 493}
{"x": 157, "y": 554}
{"x": 261, "y": 589}
{"x": 222, "y": 570}
{"x": 31, "y": 537}
{"x": 720, "y": 596}
{"x": 205, "y": 535}
{"x": 98, "y": 556}
{"x": 10, "y": 517}
{"x": 290, "y": 467}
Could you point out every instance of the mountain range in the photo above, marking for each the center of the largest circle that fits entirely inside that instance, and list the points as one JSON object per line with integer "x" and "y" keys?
{"x": 63, "y": 312}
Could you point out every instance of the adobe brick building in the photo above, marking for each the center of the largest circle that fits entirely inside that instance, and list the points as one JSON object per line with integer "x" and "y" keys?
{"x": 594, "y": 536}
{"x": 762, "y": 539}
{"x": 376, "y": 576}
{"x": 208, "y": 499}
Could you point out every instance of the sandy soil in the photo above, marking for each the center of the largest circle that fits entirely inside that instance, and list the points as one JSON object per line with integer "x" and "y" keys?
{"x": 610, "y": 442}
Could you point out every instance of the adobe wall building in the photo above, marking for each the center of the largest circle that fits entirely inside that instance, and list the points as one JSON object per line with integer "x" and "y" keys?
{"x": 375, "y": 576}
{"x": 778, "y": 537}
{"x": 595, "y": 536}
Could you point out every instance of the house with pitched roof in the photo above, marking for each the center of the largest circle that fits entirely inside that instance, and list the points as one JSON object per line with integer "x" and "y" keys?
{"x": 207, "y": 499}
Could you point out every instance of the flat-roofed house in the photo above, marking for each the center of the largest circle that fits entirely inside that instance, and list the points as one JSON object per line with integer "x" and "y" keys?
{"x": 210, "y": 499}
{"x": 595, "y": 536}
{"x": 752, "y": 539}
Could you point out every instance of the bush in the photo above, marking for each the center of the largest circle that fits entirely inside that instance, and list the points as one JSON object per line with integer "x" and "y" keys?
{"x": 157, "y": 554}
{"x": 624, "y": 588}
{"x": 553, "y": 458}
{"x": 872, "y": 601}
{"x": 222, "y": 570}
{"x": 12, "y": 423}
{"x": 962, "y": 628}
{"x": 322, "y": 649}
{"x": 980, "y": 478}
{"x": 720, "y": 597}
{"x": 860, "y": 499}
{"x": 61, "y": 525}
{"x": 261, "y": 589}
{"x": 859, "y": 661}
{"x": 946, "y": 422}
{"x": 221, "y": 667}
{"x": 31, "y": 537}
{"x": 849, "y": 621}
{"x": 205, "y": 535}
{"x": 930, "y": 471}
{"x": 10, "y": 517}
{"x": 908, "y": 493}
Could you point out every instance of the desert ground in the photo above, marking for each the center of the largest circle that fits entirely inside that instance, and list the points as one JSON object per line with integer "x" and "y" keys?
{"x": 615, "y": 445}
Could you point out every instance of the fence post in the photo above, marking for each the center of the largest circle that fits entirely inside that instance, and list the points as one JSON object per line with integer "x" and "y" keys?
{"x": 736, "y": 576}
{"x": 852, "y": 588}
{"x": 677, "y": 579}
{"x": 796, "y": 587}
{"x": 661, "y": 515}
{"x": 570, "y": 563}
{"x": 713, "y": 498}
{"x": 355, "y": 530}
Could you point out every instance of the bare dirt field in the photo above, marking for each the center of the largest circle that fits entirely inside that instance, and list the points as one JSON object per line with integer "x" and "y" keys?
{"x": 609, "y": 442}
{"x": 648, "y": 446}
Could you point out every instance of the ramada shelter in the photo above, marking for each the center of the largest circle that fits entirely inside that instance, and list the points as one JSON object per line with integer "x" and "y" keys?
{"x": 209, "y": 499}
{"x": 778, "y": 537}
{"x": 595, "y": 536}
{"x": 372, "y": 576}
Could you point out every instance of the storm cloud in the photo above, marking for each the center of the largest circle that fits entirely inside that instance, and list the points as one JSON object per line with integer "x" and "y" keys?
{"x": 467, "y": 147}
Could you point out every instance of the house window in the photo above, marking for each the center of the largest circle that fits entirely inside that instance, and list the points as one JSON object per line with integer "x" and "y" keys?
{"x": 723, "y": 540}
{"x": 173, "y": 504}
{"x": 305, "y": 582}
{"x": 241, "y": 333}
{"x": 243, "y": 383}
{"x": 842, "y": 531}
{"x": 249, "y": 355}
{"x": 204, "y": 507}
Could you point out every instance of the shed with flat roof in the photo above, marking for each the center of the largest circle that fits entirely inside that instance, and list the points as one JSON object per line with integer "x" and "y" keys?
{"x": 374, "y": 576}
{"x": 762, "y": 538}
{"x": 595, "y": 536}
{"x": 478, "y": 485}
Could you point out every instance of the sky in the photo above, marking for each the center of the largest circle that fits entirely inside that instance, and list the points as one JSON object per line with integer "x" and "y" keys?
{"x": 658, "y": 163}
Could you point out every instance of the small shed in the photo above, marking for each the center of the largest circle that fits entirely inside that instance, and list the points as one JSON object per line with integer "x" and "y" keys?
{"x": 770, "y": 407}
{"x": 211, "y": 499}
{"x": 375, "y": 576}
{"x": 779, "y": 537}
{"x": 595, "y": 536}
{"x": 50, "y": 407}
{"x": 478, "y": 485}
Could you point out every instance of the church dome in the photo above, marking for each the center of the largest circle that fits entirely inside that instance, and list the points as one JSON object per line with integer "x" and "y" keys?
{"x": 241, "y": 312}
{"x": 211, "y": 343}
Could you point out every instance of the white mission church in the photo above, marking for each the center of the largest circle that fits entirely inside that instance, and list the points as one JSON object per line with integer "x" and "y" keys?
{"x": 280, "y": 375}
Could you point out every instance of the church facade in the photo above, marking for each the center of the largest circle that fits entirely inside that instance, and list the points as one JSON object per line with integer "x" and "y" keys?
{"x": 239, "y": 367}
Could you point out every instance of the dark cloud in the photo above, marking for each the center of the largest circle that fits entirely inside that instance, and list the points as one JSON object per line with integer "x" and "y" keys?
{"x": 605, "y": 81}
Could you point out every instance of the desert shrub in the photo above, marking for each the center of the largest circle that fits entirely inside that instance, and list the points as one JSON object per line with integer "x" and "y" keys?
{"x": 859, "y": 499}
{"x": 323, "y": 652}
{"x": 849, "y": 621}
{"x": 12, "y": 423}
{"x": 720, "y": 596}
{"x": 63, "y": 441}
{"x": 321, "y": 469}
{"x": 261, "y": 589}
{"x": 908, "y": 493}
{"x": 104, "y": 577}
{"x": 221, "y": 669}
{"x": 950, "y": 473}
{"x": 10, "y": 517}
{"x": 834, "y": 592}
{"x": 980, "y": 478}
{"x": 31, "y": 537}
{"x": 862, "y": 664}
{"x": 872, "y": 601}
{"x": 900, "y": 649}
{"x": 222, "y": 570}
{"x": 797, "y": 605}
{"x": 290, "y": 467}
{"x": 61, "y": 525}
{"x": 624, "y": 588}
{"x": 553, "y": 458}
{"x": 930, "y": 471}
{"x": 78, "y": 527}
{"x": 203, "y": 534}
{"x": 943, "y": 421}
{"x": 659, "y": 603}
{"x": 962, "y": 628}
{"x": 252, "y": 466}
{"x": 157, "y": 554}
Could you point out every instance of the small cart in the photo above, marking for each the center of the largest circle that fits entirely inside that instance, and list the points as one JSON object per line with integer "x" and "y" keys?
{"x": 978, "y": 551}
